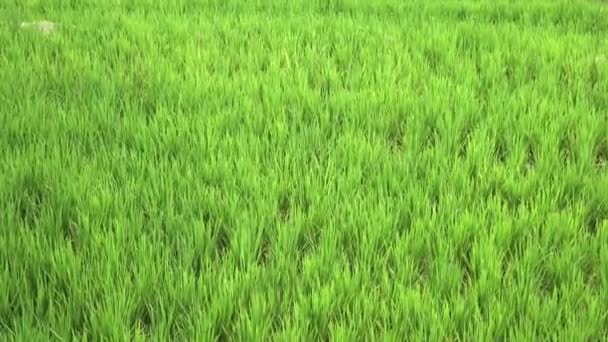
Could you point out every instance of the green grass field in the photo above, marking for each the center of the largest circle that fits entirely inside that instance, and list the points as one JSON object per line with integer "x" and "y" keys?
{"x": 304, "y": 170}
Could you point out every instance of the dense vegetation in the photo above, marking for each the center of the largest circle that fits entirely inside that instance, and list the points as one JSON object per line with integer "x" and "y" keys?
{"x": 304, "y": 170}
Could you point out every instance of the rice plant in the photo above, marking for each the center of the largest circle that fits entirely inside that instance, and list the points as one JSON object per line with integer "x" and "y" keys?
{"x": 341, "y": 170}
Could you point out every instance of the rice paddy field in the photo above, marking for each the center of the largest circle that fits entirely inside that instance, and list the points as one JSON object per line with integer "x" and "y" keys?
{"x": 303, "y": 170}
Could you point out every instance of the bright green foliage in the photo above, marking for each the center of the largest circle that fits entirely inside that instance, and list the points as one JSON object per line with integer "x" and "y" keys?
{"x": 304, "y": 170}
